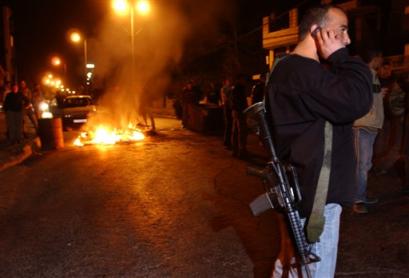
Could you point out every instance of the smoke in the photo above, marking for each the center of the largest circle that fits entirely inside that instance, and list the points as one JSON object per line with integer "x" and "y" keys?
{"x": 134, "y": 79}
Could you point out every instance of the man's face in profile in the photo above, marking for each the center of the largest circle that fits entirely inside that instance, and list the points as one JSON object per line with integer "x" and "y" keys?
{"x": 337, "y": 21}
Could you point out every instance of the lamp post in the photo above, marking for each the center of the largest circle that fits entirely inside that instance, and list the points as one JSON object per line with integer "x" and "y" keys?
{"x": 125, "y": 7}
{"x": 56, "y": 61}
{"x": 76, "y": 38}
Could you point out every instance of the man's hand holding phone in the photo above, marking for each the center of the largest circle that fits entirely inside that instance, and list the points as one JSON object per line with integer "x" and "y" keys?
{"x": 327, "y": 41}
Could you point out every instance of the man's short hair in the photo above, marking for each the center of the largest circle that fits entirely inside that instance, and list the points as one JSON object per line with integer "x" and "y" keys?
{"x": 316, "y": 15}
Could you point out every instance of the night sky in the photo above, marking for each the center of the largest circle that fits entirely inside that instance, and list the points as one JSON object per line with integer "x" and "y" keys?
{"x": 41, "y": 27}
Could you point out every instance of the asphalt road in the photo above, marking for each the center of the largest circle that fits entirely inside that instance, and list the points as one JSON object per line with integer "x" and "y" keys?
{"x": 130, "y": 210}
{"x": 175, "y": 205}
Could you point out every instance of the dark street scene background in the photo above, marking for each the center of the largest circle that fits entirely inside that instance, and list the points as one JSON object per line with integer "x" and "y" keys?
{"x": 122, "y": 168}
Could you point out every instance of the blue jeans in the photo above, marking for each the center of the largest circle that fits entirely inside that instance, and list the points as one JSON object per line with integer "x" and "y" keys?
{"x": 364, "y": 143}
{"x": 326, "y": 248}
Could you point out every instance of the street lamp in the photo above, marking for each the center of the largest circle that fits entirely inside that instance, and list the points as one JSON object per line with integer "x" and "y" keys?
{"x": 76, "y": 38}
{"x": 122, "y": 8}
{"x": 56, "y": 61}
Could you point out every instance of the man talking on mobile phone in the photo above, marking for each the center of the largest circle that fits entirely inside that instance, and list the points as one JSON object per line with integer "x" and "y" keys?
{"x": 312, "y": 108}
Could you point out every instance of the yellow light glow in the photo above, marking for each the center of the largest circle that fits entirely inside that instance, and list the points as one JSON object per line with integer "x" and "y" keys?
{"x": 46, "y": 115}
{"x": 50, "y": 76}
{"x": 43, "y": 106}
{"x": 137, "y": 136}
{"x": 78, "y": 143}
{"x": 105, "y": 136}
{"x": 143, "y": 7}
{"x": 56, "y": 61}
{"x": 120, "y": 6}
{"x": 75, "y": 37}
{"x": 46, "y": 80}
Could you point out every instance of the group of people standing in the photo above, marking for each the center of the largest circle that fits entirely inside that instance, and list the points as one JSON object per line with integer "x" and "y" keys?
{"x": 379, "y": 135}
{"x": 20, "y": 103}
{"x": 234, "y": 100}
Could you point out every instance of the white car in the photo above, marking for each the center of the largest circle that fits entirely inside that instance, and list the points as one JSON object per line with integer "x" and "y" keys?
{"x": 74, "y": 110}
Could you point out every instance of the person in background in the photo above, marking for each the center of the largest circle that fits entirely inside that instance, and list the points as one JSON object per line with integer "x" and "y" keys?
{"x": 38, "y": 97}
{"x": 226, "y": 102}
{"x": 145, "y": 111}
{"x": 365, "y": 131}
{"x": 14, "y": 105}
{"x": 6, "y": 90}
{"x": 29, "y": 109}
{"x": 392, "y": 133}
{"x": 212, "y": 94}
{"x": 257, "y": 92}
{"x": 239, "y": 129}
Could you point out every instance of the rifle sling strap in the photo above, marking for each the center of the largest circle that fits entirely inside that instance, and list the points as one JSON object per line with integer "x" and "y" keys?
{"x": 316, "y": 221}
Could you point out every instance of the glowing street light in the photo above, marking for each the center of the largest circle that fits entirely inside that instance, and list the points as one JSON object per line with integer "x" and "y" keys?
{"x": 120, "y": 6}
{"x": 58, "y": 82}
{"x": 143, "y": 7}
{"x": 123, "y": 7}
{"x": 76, "y": 38}
{"x": 56, "y": 61}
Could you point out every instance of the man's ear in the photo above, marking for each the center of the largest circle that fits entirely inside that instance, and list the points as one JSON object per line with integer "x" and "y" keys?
{"x": 314, "y": 30}
{"x": 313, "y": 27}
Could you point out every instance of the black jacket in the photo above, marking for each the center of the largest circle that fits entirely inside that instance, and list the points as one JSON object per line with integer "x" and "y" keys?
{"x": 239, "y": 98}
{"x": 15, "y": 102}
{"x": 302, "y": 95}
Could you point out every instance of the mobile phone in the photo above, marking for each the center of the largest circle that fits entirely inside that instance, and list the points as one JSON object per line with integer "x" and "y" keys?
{"x": 315, "y": 32}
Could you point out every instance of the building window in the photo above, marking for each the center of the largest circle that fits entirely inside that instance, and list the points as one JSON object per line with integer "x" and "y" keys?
{"x": 279, "y": 22}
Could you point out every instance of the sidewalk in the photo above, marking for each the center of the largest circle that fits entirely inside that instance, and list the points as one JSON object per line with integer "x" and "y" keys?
{"x": 13, "y": 155}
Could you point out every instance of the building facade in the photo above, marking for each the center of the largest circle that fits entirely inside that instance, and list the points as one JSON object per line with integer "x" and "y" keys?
{"x": 7, "y": 49}
{"x": 379, "y": 24}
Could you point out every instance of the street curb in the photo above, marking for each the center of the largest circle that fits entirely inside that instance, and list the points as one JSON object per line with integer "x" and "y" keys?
{"x": 27, "y": 150}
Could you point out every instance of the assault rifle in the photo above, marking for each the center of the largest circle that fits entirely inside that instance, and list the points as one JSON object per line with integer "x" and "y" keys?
{"x": 282, "y": 189}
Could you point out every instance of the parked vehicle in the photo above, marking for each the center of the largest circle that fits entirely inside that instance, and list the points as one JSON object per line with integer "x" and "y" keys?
{"x": 74, "y": 110}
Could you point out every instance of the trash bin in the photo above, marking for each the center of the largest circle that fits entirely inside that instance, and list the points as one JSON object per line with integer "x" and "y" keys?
{"x": 204, "y": 118}
{"x": 50, "y": 133}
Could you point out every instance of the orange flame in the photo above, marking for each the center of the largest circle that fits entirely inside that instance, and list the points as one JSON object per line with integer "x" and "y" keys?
{"x": 108, "y": 136}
